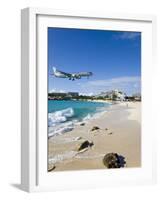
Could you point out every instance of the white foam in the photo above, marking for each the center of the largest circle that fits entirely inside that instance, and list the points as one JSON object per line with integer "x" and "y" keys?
{"x": 61, "y": 140}
{"x": 94, "y": 116}
{"x": 87, "y": 117}
{"x": 59, "y": 116}
{"x": 60, "y": 129}
{"x": 89, "y": 156}
{"x": 58, "y": 122}
{"x": 68, "y": 155}
{"x": 61, "y": 157}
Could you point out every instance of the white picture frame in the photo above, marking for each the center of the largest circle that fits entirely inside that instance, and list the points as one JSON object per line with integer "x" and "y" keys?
{"x": 33, "y": 175}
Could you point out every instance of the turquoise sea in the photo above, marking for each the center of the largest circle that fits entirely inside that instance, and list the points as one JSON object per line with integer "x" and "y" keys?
{"x": 64, "y": 114}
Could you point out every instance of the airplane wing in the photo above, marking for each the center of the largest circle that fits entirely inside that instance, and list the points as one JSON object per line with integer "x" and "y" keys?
{"x": 81, "y": 74}
{"x": 66, "y": 74}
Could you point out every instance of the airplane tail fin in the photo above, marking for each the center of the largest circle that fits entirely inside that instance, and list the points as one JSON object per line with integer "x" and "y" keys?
{"x": 54, "y": 69}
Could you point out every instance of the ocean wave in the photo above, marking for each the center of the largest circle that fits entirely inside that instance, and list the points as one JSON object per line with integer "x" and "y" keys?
{"x": 58, "y": 122}
{"x": 94, "y": 116}
{"x": 63, "y": 121}
{"x": 87, "y": 117}
{"x": 59, "y": 116}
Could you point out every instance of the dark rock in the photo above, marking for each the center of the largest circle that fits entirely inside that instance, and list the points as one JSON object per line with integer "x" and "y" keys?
{"x": 95, "y": 128}
{"x": 52, "y": 168}
{"x": 113, "y": 160}
{"x": 106, "y": 129}
{"x": 110, "y": 133}
{"x": 82, "y": 124}
{"x": 85, "y": 144}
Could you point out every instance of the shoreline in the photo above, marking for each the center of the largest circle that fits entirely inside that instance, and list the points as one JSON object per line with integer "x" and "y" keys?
{"x": 120, "y": 132}
{"x": 62, "y": 127}
{"x": 90, "y": 100}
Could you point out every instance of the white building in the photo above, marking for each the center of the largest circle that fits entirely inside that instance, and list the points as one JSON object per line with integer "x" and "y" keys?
{"x": 120, "y": 96}
{"x": 113, "y": 94}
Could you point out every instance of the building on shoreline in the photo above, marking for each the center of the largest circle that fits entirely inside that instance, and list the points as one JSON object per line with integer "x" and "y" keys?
{"x": 62, "y": 95}
{"x": 112, "y": 95}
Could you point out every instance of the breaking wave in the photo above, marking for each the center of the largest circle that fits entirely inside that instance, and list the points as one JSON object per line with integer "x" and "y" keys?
{"x": 60, "y": 116}
{"x": 58, "y": 122}
{"x": 63, "y": 121}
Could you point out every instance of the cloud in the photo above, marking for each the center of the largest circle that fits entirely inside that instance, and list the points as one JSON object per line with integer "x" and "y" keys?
{"x": 86, "y": 94}
{"x": 112, "y": 81}
{"x": 127, "y": 35}
{"x": 128, "y": 84}
{"x": 56, "y": 90}
{"x": 52, "y": 90}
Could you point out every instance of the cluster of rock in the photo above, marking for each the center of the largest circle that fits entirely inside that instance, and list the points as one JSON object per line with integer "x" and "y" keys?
{"x": 97, "y": 128}
{"x": 110, "y": 160}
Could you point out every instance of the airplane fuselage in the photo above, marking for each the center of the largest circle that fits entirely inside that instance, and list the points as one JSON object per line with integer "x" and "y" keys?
{"x": 71, "y": 76}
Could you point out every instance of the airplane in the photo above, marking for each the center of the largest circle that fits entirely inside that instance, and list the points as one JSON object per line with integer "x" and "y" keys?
{"x": 72, "y": 76}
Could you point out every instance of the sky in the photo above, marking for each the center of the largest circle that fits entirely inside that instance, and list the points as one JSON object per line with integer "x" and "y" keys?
{"x": 114, "y": 58}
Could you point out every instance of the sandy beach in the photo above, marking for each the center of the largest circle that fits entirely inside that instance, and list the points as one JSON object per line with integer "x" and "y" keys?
{"x": 119, "y": 132}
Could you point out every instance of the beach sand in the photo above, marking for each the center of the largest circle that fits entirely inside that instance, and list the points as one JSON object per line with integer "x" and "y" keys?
{"x": 120, "y": 132}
